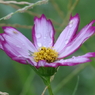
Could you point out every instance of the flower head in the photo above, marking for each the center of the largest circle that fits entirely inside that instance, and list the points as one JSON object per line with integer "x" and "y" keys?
{"x": 43, "y": 52}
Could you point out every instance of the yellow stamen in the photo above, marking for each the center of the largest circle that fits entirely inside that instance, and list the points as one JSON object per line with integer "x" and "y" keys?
{"x": 47, "y": 54}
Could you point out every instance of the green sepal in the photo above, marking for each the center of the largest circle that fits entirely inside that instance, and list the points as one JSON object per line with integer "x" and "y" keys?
{"x": 47, "y": 71}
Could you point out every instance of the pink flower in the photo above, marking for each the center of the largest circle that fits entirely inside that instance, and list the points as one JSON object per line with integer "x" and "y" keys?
{"x": 44, "y": 53}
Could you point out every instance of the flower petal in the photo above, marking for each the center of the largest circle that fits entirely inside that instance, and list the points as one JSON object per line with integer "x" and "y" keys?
{"x": 31, "y": 62}
{"x": 82, "y": 36}
{"x": 16, "y": 45}
{"x": 43, "y": 32}
{"x": 1, "y": 39}
{"x": 68, "y": 62}
{"x": 68, "y": 33}
{"x": 77, "y": 60}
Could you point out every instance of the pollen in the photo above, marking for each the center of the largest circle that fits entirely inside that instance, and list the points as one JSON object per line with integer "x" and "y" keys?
{"x": 15, "y": 32}
{"x": 47, "y": 54}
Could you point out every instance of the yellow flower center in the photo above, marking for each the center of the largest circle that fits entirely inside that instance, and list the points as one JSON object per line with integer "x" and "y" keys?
{"x": 47, "y": 54}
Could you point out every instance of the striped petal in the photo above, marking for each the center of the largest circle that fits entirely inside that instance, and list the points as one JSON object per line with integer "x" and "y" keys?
{"x": 16, "y": 45}
{"x": 43, "y": 32}
{"x": 82, "y": 36}
{"x": 68, "y": 33}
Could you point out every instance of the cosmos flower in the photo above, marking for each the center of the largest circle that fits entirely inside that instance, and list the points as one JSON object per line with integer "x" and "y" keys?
{"x": 43, "y": 52}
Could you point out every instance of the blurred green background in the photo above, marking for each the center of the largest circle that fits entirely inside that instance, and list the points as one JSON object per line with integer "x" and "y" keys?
{"x": 19, "y": 79}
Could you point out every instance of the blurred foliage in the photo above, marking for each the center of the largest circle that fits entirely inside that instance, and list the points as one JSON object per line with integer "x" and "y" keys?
{"x": 19, "y": 79}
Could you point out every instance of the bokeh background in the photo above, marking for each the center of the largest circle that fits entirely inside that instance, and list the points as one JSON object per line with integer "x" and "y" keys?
{"x": 19, "y": 79}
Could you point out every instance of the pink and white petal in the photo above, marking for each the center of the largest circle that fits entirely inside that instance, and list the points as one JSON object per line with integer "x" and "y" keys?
{"x": 68, "y": 62}
{"x": 1, "y": 40}
{"x": 14, "y": 54}
{"x": 43, "y": 32}
{"x": 15, "y": 44}
{"x": 22, "y": 60}
{"x": 68, "y": 33}
{"x": 43, "y": 63}
{"x": 82, "y": 36}
{"x": 77, "y": 60}
{"x": 31, "y": 62}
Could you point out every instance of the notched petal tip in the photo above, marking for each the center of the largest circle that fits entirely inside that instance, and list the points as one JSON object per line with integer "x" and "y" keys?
{"x": 76, "y": 16}
{"x": 43, "y": 16}
{"x": 91, "y": 23}
{"x": 40, "y": 18}
{"x": 74, "y": 20}
{"x": 91, "y": 26}
{"x": 10, "y": 30}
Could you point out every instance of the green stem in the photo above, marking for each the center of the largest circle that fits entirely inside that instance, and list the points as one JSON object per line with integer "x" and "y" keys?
{"x": 50, "y": 90}
{"x": 47, "y": 83}
{"x": 46, "y": 80}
